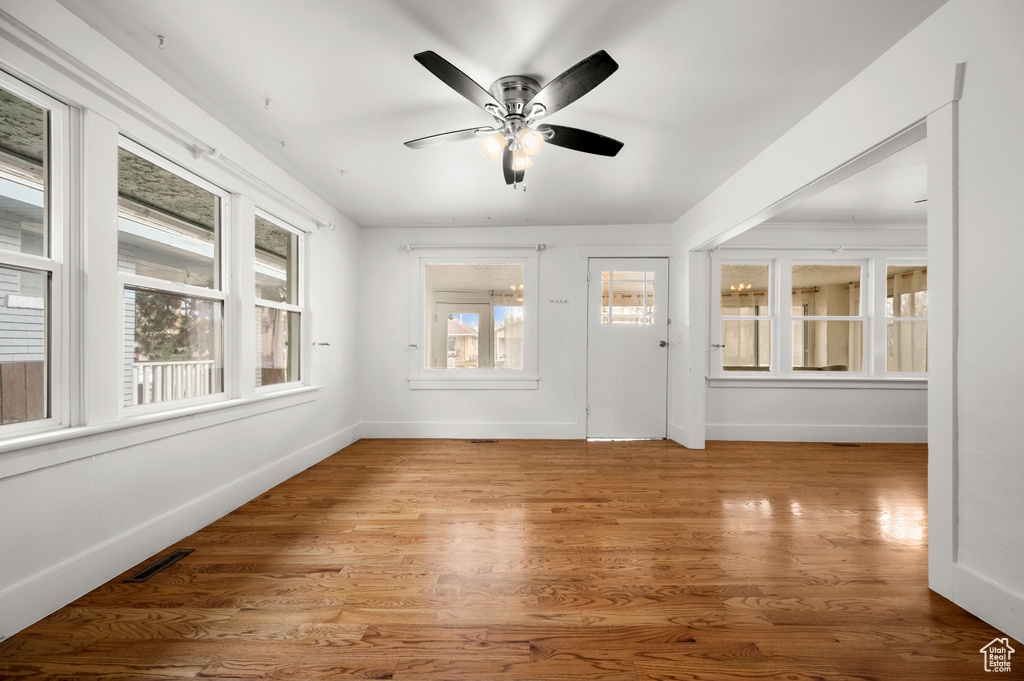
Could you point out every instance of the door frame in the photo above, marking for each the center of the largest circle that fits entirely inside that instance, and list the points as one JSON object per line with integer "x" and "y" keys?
{"x": 583, "y": 256}
{"x": 485, "y": 322}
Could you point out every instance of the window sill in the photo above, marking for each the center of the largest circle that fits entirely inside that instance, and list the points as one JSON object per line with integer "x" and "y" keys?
{"x": 894, "y": 383}
{"x": 478, "y": 382}
{"x": 26, "y": 453}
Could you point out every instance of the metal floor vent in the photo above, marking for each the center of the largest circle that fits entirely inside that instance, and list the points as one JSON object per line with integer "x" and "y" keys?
{"x": 162, "y": 564}
{"x": 483, "y": 442}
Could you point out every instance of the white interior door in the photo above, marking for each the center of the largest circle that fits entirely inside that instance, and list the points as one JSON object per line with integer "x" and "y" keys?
{"x": 627, "y": 348}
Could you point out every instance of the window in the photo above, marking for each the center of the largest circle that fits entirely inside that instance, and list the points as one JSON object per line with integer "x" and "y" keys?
{"x": 169, "y": 257}
{"x": 828, "y": 330}
{"x": 32, "y": 178}
{"x": 474, "y": 316}
{"x": 906, "y": 319}
{"x": 474, "y": 323}
{"x": 278, "y": 310}
{"x": 814, "y": 318}
{"x": 746, "y": 318}
{"x": 627, "y": 298}
{"x": 169, "y": 290}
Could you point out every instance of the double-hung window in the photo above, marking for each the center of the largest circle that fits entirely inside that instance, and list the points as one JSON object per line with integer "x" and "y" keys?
{"x": 167, "y": 327}
{"x": 173, "y": 282}
{"x": 828, "y": 327}
{"x": 814, "y": 318}
{"x": 279, "y": 297}
{"x": 746, "y": 315}
{"x": 33, "y": 319}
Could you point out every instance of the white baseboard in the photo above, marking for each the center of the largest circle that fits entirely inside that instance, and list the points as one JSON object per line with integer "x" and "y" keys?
{"x": 36, "y": 597}
{"x": 799, "y": 432}
{"x": 677, "y": 434}
{"x": 1003, "y": 609}
{"x": 496, "y": 430}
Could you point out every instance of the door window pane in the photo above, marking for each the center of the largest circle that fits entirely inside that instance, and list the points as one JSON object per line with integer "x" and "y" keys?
{"x": 23, "y": 176}
{"x": 463, "y": 350}
{"x": 827, "y": 290}
{"x": 276, "y": 263}
{"x": 828, "y": 345}
{"x": 23, "y": 345}
{"x": 627, "y": 298}
{"x": 277, "y": 339}
{"x": 173, "y": 346}
{"x": 167, "y": 225}
{"x": 745, "y": 290}
{"x": 747, "y": 344}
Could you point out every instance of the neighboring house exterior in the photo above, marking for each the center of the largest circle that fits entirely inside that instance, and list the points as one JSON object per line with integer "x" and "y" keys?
{"x": 508, "y": 342}
{"x": 463, "y": 345}
{"x": 22, "y": 308}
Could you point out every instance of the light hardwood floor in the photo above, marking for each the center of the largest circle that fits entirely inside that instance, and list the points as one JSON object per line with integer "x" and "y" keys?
{"x": 542, "y": 561}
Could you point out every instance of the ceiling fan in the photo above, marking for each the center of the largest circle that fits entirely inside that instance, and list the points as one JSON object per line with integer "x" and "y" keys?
{"x": 517, "y": 103}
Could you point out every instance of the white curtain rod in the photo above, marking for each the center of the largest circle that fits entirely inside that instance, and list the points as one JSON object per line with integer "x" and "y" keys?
{"x": 417, "y": 247}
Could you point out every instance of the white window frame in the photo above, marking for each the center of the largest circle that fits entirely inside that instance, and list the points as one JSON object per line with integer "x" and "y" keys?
{"x": 223, "y": 280}
{"x": 300, "y": 308}
{"x": 873, "y": 264}
{"x": 772, "y": 317}
{"x": 54, "y": 264}
{"x": 424, "y": 378}
{"x": 786, "y": 317}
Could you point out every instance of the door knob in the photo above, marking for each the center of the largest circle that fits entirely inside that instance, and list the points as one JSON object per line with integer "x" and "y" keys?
{"x": 662, "y": 344}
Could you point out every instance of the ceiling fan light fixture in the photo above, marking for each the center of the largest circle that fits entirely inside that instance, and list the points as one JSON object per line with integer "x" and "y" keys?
{"x": 493, "y": 145}
{"x": 531, "y": 141}
{"x": 520, "y": 159}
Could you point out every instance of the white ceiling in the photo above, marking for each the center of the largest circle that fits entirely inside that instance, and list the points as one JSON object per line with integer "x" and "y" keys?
{"x": 703, "y": 86}
{"x": 890, "y": 192}
{"x": 475, "y": 278}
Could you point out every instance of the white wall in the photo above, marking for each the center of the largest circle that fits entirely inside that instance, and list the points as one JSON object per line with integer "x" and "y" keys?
{"x": 76, "y": 511}
{"x": 990, "y": 366}
{"x": 789, "y": 413}
{"x": 390, "y": 409}
{"x": 975, "y": 466}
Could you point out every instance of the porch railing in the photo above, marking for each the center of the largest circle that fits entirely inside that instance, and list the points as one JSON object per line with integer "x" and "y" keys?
{"x": 162, "y": 381}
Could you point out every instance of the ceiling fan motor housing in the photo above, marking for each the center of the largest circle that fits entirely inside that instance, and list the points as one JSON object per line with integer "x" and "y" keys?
{"x": 514, "y": 92}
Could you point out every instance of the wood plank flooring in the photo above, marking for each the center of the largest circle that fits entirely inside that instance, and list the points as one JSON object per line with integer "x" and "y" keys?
{"x": 419, "y": 560}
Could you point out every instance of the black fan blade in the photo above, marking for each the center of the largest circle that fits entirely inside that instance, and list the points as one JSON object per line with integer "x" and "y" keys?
{"x": 520, "y": 175}
{"x": 444, "y": 137}
{"x": 579, "y": 140}
{"x": 574, "y": 82}
{"x": 506, "y": 166}
{"x": 457, "y": 80}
